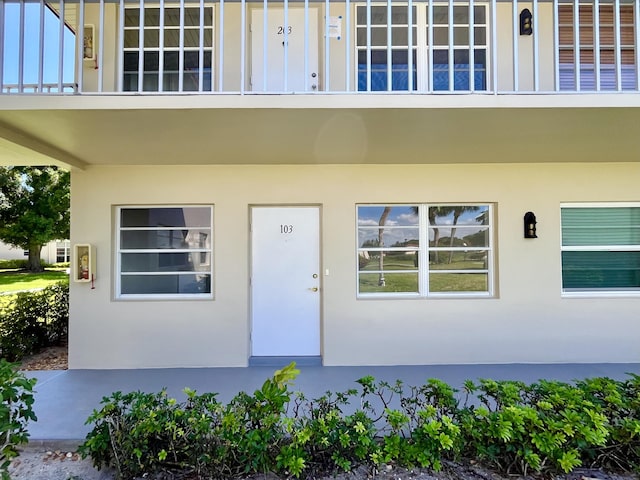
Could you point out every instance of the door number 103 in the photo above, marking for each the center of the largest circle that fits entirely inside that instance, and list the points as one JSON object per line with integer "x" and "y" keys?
{"x": 286, "y": 228}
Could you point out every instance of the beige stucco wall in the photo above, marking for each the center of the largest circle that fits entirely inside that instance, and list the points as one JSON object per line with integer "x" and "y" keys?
{"x": 528, "y": 321}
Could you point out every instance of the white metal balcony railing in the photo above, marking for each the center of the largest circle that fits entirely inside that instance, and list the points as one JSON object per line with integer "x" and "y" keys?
{"x": 286, "y": 46}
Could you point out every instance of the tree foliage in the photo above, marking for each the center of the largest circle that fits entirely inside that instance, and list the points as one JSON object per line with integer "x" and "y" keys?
{"x": 34, "y": 208}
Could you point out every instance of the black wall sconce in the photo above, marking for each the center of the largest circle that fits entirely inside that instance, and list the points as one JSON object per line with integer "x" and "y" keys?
{"x": 530, "y": 225}
{"x": 526, "y": 22}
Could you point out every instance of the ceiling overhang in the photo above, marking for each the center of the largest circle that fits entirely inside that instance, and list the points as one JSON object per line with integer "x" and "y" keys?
{"x": 79, "y": 131}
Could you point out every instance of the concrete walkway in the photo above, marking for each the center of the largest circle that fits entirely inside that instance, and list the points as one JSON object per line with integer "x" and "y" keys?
{"x": 65, "y": 398}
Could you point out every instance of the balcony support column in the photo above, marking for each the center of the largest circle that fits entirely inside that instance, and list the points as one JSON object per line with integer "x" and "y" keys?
{"x": 41, "y": 47}
{"x": 596, "y": 41}
{"x": 80, "y": 47}
{"x": 516, "y": 45}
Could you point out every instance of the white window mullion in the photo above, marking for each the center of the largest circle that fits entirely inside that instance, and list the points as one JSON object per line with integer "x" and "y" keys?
{"x": 423, "y": 255}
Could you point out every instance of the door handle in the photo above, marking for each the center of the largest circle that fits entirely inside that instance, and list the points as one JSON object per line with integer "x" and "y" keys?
{"x": 314, "y": 289}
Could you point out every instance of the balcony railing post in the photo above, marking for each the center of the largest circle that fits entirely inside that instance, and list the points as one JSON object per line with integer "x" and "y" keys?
{"x": 2, "y": 48}
{"x": 556, "y": 47}
{"x": 327, "y": 47}
{"x": 451, "y": 50}
{"x": 265, "y": 42}
{"x": 494, "y": 46}
{"x": 410, "y": 45}
{"x": 430, "y": 72}
{"x": 515, "y": 42}
{"x": 201, "y": 50}
{"x": 617, "y": 44}
{"x": 596, "y": 41}
{"x": 306, "y": 45}
{"x": 221, "y": 47}
{"x": 576, "y": 42}
{"x": 181, "y": 49}
{"x": 285, "y": 33}
{"x": 243, "y": 44}
{"x": 472, "y": 52}
{"x": 21, "y": 32}
{"x": 41, "y": 47}
{"x": 347, "y": 41}
{"x": 161, "y": 48}
{"x": 100, "y": 48}
{"x": 636, "y": 28}
{"x": 80, "y": 46}
{"x": 389, "y": 48}
{"x": 536, "y": 49}
{"x": 368, "y": 46}
{"x": 141, "y": 48}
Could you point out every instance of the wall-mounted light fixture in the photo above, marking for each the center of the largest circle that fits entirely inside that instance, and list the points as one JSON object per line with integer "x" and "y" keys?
{"x": 526, "y": 22}
{"x": 530, "y": 225}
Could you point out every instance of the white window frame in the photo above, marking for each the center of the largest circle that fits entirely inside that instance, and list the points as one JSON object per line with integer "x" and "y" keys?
{"x": 424, "y": 249}
{"x": 619, "y": 248}
{"x": 195, "y": 251}
{"x": 423, "y": 50}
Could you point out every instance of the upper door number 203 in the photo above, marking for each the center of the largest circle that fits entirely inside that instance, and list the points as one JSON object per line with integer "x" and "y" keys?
{"x": 286, "y": 228}
{"x": 282, "y": 29}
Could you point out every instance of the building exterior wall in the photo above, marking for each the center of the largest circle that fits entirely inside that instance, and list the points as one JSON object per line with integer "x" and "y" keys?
{"x": 527, "y": 320}
{"x": 48, "y": 253}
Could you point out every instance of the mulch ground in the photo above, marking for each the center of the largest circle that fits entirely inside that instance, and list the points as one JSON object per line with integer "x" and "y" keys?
{"x": 50, "y": 358}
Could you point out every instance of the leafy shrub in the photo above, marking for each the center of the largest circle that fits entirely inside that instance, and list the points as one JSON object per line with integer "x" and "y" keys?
{"x": 544, "y": 427}
{"x": 15, "y": 411}
{"x": 34, "y": 320}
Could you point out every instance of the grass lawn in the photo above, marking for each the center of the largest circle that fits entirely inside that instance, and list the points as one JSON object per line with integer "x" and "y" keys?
{"x": 16, "y": 280}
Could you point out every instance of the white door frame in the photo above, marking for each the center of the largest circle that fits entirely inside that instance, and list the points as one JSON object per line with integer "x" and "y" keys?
{"x": 307, "y": 290}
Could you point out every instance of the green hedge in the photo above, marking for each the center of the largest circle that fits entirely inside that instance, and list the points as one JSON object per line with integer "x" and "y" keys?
{"x": 514, "y": 427}
{"x": 34, "y": 320}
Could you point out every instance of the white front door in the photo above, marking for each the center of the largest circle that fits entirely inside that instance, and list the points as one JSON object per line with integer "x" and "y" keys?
{"x": 285, "y": 281}
{"x": 281, "y": 76}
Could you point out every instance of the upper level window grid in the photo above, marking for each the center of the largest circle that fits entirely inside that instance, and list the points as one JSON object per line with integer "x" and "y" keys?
{"x": 372, "y": 43}
{"x": 167, "y": 65}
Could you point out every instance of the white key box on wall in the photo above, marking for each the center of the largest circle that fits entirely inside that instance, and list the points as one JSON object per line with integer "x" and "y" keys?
{"x": 84, "y": 263}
